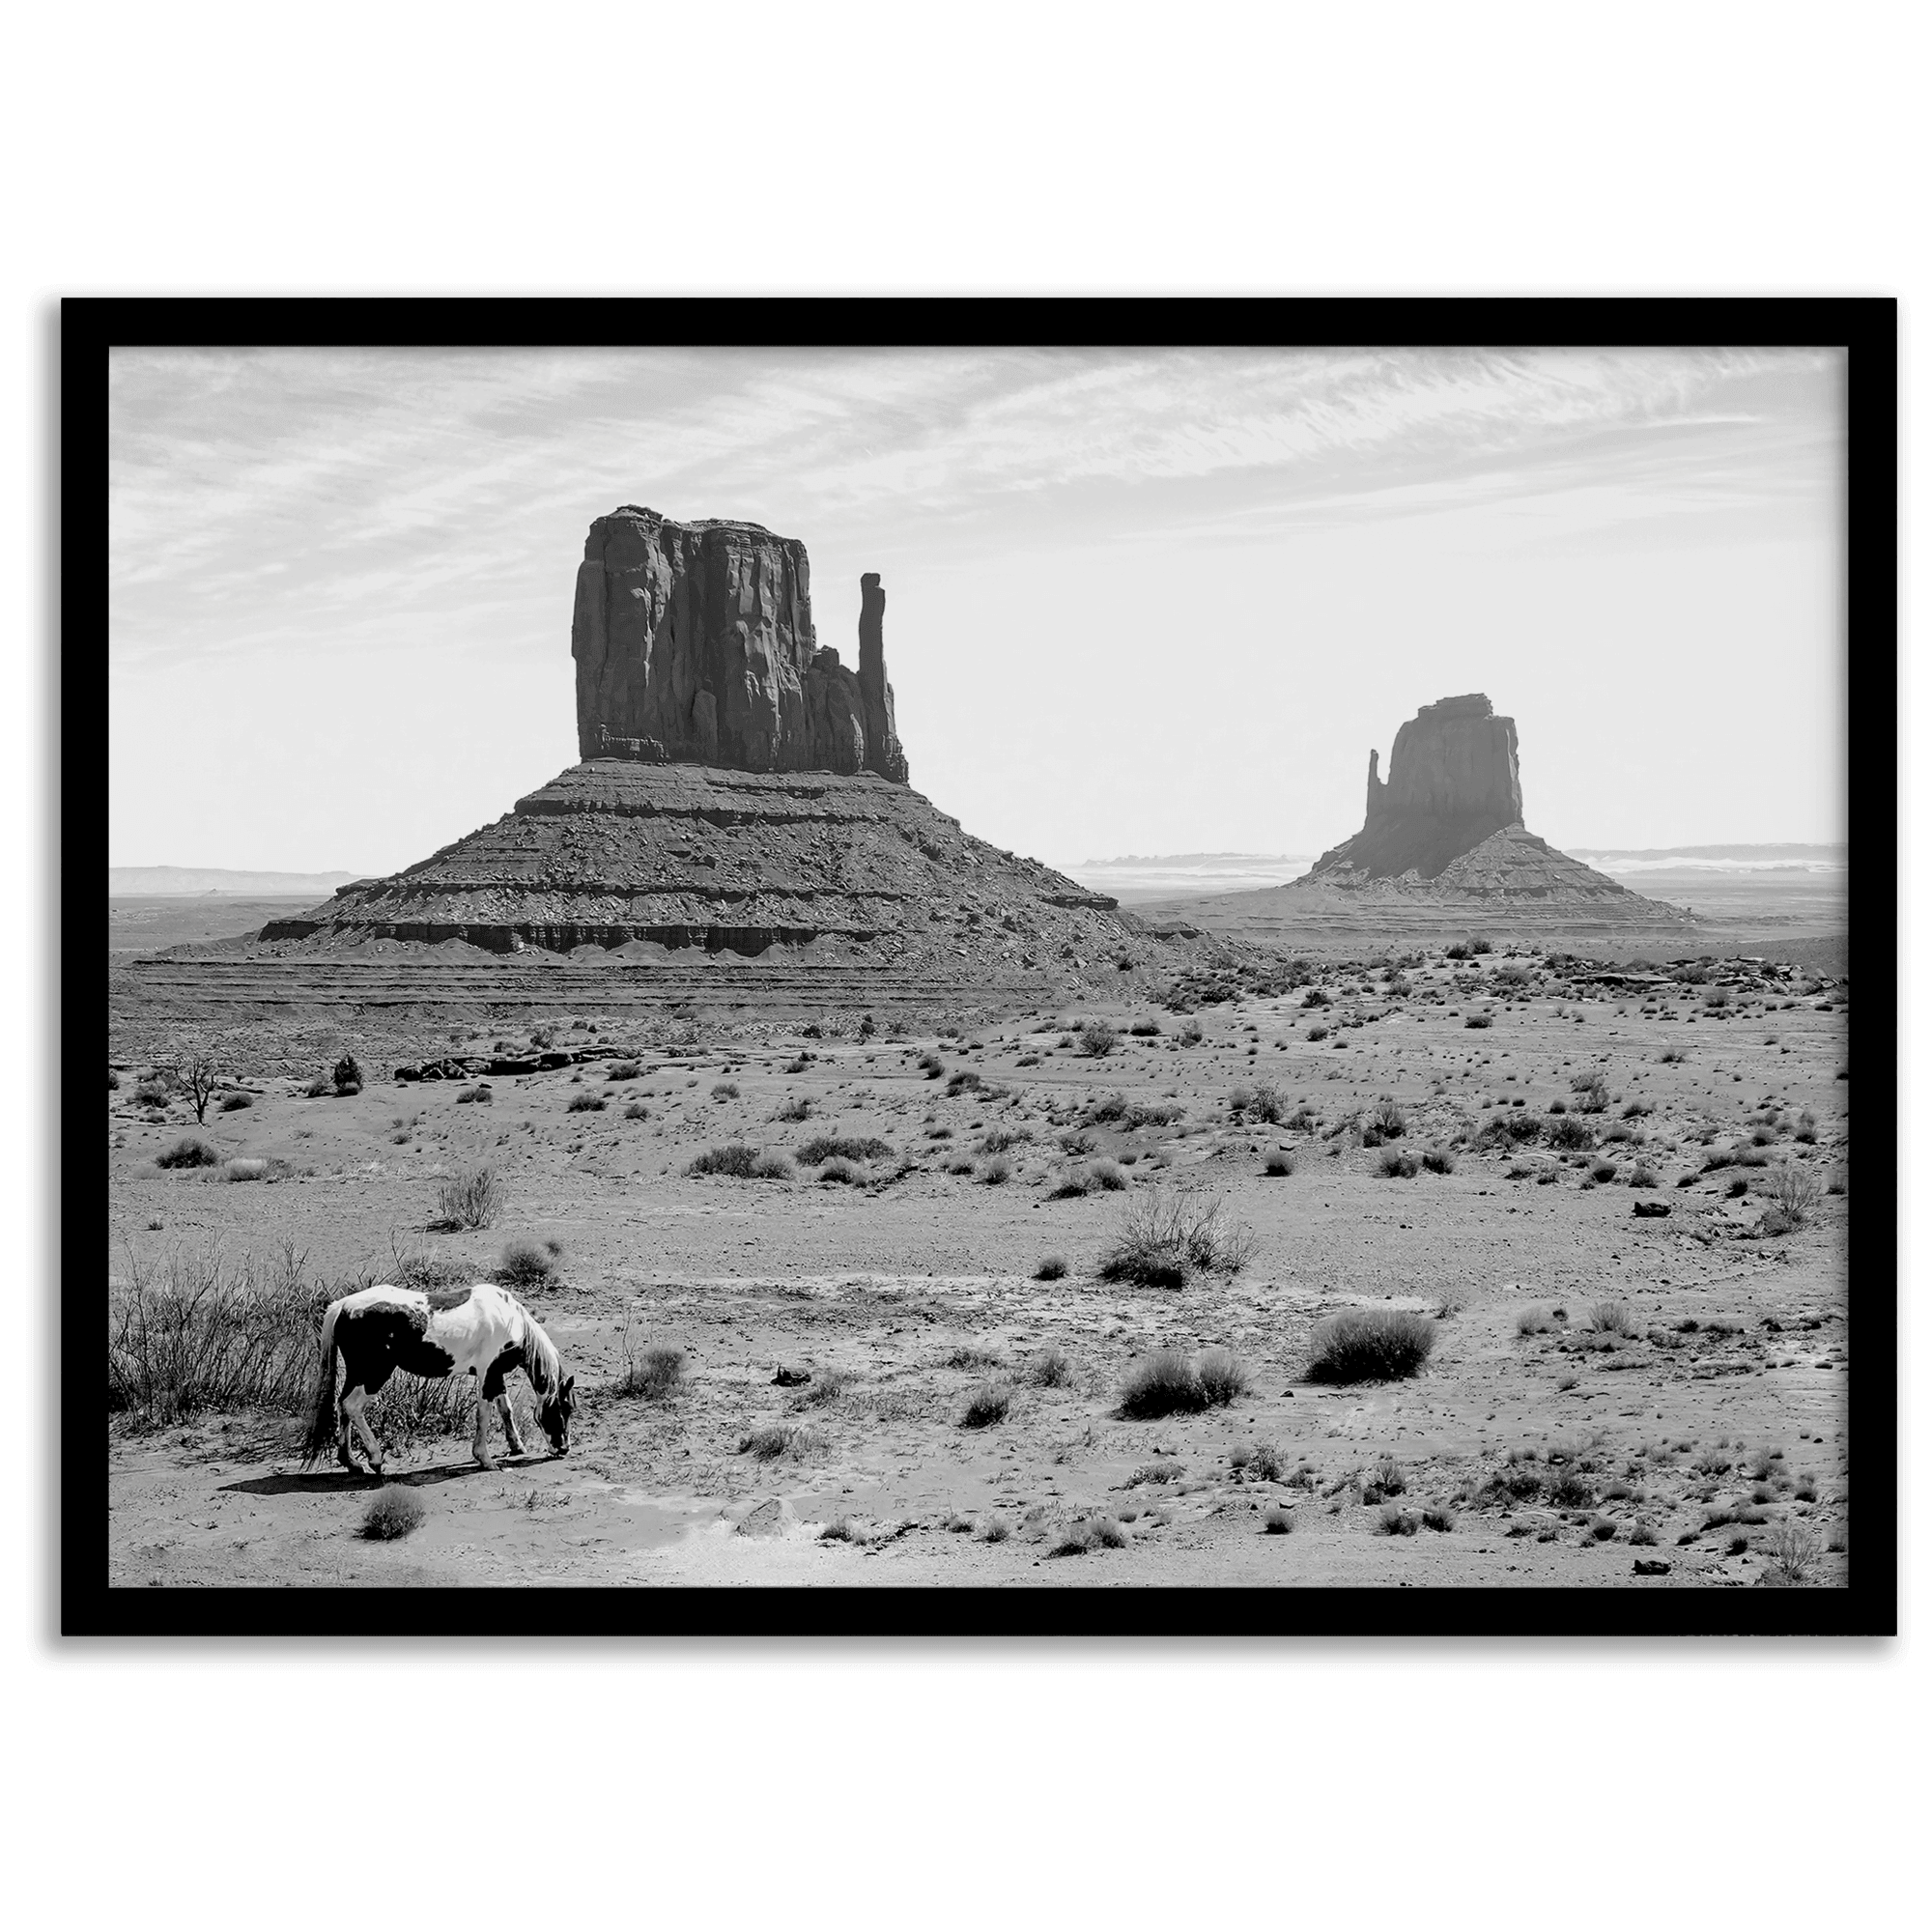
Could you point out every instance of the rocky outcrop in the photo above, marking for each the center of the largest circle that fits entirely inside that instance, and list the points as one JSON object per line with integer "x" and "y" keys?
{"x": 1443, "y": 836}
{"x": 617, "y": 853}
{"x": 695, "y": 645}
{"x": 1451, "y": 782}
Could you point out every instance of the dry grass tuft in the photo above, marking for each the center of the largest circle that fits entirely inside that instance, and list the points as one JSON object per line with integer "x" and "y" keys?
{"x": 1363, "y": 1344}
{"x": 395, "y": 1514}
{"x": 471, "y": 1199}
{"x": 1167, "y": 1235}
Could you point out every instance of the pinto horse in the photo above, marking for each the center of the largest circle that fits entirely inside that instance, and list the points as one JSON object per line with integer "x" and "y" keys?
{"x": 480, "y": 1331}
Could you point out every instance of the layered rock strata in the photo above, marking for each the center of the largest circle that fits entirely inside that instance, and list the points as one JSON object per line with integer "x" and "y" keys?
{"x": 694, "y": 644}
{"x": 613, "y": 853}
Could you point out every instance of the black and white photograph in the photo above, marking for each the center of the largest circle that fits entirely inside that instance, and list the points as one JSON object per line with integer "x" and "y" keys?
{"x": 982, "y": 894}
{"x": 987, "y": 965}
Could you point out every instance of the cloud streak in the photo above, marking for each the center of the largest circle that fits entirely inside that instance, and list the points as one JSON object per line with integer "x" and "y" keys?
{"x": 309, "y": 495}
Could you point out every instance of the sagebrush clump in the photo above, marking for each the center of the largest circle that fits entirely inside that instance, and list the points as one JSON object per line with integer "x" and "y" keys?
{"x": 1363, "y": 1344}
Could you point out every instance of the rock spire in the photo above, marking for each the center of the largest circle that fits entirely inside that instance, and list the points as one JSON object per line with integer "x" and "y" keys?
{"x": 695, "y": 645}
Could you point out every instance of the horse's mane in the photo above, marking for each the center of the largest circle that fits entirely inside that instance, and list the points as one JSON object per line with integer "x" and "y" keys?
{"x": 540, "y": 1358}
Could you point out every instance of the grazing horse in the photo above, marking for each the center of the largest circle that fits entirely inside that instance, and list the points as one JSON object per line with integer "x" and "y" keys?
{"x": 478, "y": 1330}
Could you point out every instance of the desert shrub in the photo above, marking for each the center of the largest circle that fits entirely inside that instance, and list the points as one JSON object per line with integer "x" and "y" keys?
{"x": 1163, "y": 1384}
{"x": 1222, "y": 1376}
{"x": 987, "y": 1404}
{"x": 1090, "y": 1534}
{"x": 1610, "y": 1317}
{"x": 1534, "y": 1322}
{"x": 995, "y": 1173}
{"x": 1398, "y": 1164}
{"x": 969, "y": 1356}
{"x": 233, "y": 1103}
{"x": 636, "y": 1111}
{"x": 1108, "y": 1177}
{"x": 1277, "y": 1522}
{"x": 154, "y": 1094}
{"x": 1572, "y": 1135}
{"x": 587, "y": 1103}
{"x": 1480, "y": 1020}
{"x": 1570, "y": 1490}
{"x": 347, "y": 1077}
{"x": 244, "y": 1170}
{"x": 198, "y": 1331}
{"x": 959, "y": 1164}
{"x": 725, "y": 1089}
{"x": 1364, "y": 1345}
{"x": 1438, "y": 1519}
{"x": 843, "y": 1146}
{"x": 1318, "y": 1032}
{"x": 734, "y": 1161}
{"x": 1265, "y": 1103}
{"x": 1051, "y": 1369}
{"x": 839, "y": 1171}
{"x": 1592, "y": 1095}
{"x": 1388, "y": 1119}
{"x": 1098, "y": 1039}
{"x": 1166, "y": 1236}
{"x": 395, "y": 1514}
{"x": 651, "y": 1373}
{"x": 1069, "y": 1184}
{"x": 782, "y": 1439}
{"x": 797, "y": 1108}
{"x": 187, "y": 1151}
{"x": 527, "y": 1264}
{"x": 1643, "y": 1174}
{"x": 1395, "y": 1521}
{"x": 470, "y": 1199}
{"x": 1603, "y": 1170}
{"x": 479, "y": 1094}
{"x": 1438, "y": 1160}
{"x": 1052, "y": 1268}
{"x": 1277, "y": 1163}
{"x": 1144, "y": 1029}
{"x": 1795, "y": 1191}
{"x": 623, "y": 1069}
{"x": 771, "y": 1164}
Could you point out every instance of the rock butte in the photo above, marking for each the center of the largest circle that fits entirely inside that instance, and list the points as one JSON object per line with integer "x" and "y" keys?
{"x": 1442, "y": 844}
{"x": 742, "y": 792}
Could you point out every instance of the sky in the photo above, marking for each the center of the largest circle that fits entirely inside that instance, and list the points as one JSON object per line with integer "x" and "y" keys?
{"x": 1154, "y": 601}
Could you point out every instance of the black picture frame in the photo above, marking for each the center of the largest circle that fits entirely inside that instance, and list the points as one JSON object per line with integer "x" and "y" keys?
{"x": 1865, "y": 328}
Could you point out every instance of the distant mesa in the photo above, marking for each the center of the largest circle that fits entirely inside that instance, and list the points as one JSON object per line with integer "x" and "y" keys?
{"x": 741, "y": 791}
{"x": 1446, "y": 826}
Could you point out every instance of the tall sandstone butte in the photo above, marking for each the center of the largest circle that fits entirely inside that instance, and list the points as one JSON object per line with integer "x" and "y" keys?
{"x": 695, "y": 645}
{"x": 1451, "y": 782}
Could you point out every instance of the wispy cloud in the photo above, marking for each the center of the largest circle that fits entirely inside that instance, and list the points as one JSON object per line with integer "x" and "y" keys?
{"x": 313, "y": 495}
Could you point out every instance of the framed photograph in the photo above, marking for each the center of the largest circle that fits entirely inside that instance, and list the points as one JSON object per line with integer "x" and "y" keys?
{"x": 982, "y": 966}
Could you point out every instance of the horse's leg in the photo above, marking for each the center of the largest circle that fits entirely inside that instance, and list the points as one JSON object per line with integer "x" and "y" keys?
{"x": 479, "y": 1445}
{"x": 512, "y": 1435}
{"x": 344, "y": 1451}
{"x": 352, "y": 1401}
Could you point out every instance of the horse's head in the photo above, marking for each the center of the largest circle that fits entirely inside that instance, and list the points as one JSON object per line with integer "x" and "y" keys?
{"x": 554, "y": 1413}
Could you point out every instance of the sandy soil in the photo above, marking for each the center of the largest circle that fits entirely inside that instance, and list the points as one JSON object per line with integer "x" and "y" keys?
{"x": 901, "y": 1294}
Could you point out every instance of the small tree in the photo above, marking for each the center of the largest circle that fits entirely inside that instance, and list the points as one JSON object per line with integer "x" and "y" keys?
{"x": 347, "y": 1075}
{"x": 194, "y": 1073}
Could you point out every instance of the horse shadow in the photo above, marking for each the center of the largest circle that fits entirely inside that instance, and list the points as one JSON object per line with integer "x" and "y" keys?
{"x": 325, "y": 1482}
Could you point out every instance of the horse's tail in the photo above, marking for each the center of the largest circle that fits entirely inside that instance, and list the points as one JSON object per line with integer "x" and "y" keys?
{"x": 321, "y": 1417}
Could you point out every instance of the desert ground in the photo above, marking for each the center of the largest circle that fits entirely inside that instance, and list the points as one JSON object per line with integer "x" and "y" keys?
{"x": 902, "y": 1361}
